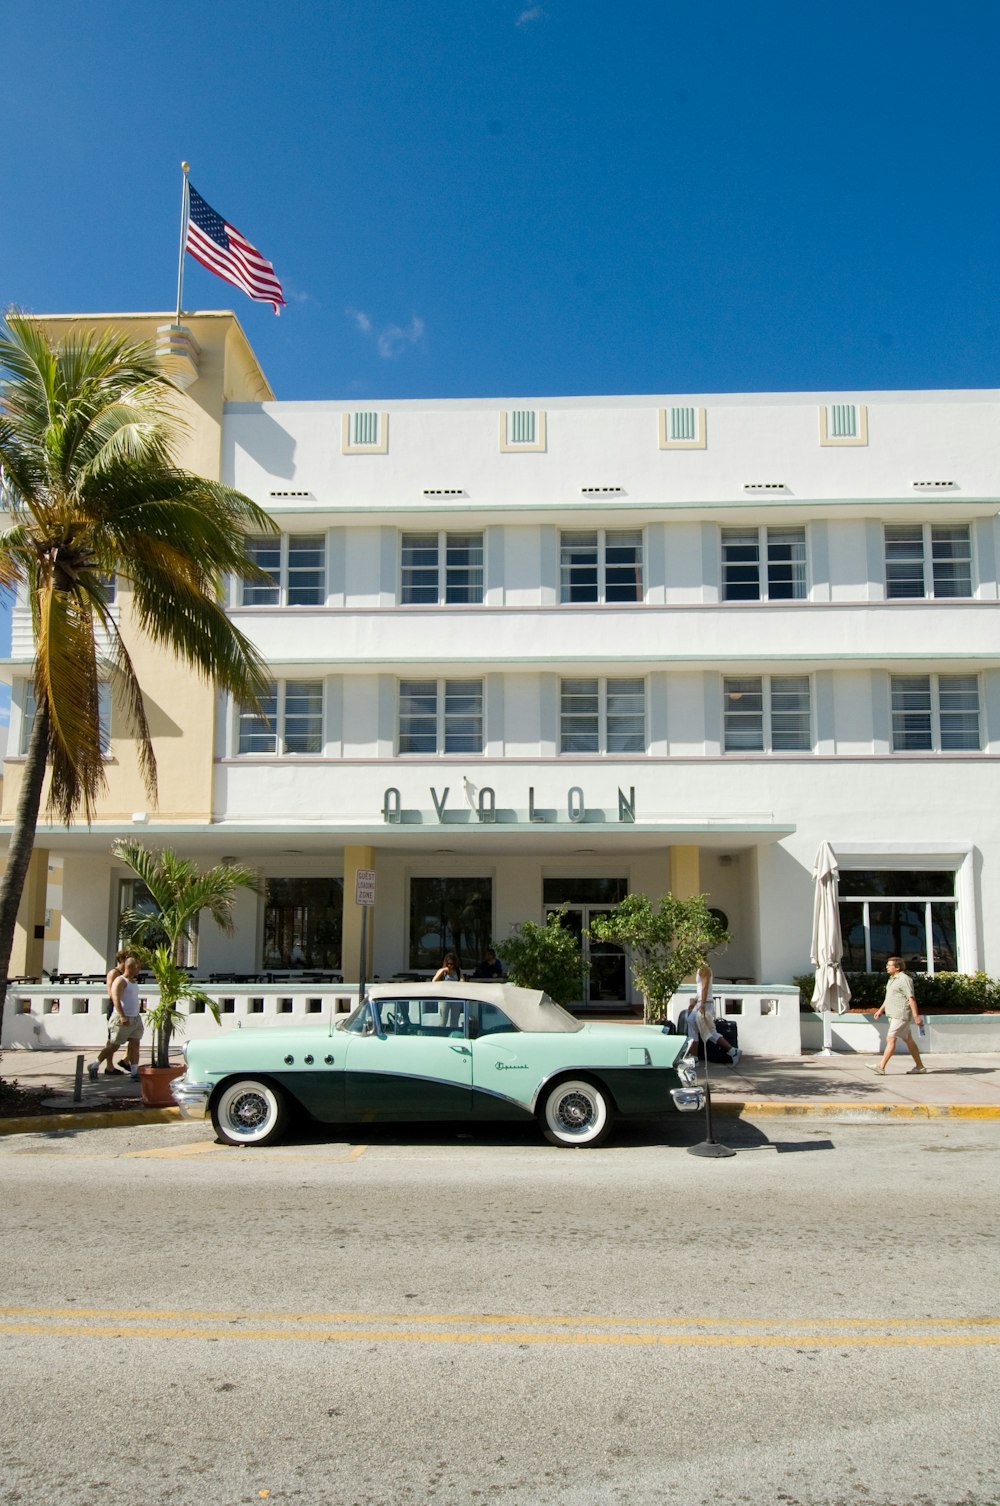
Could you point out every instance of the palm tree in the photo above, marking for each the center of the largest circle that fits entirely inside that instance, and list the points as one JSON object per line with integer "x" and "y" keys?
{"x": 180, "y": 891}
{"x": 88, "y": 428}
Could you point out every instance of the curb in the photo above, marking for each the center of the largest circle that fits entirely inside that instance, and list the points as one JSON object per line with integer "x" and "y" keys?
{"x": 764, "y": 1108}
{"x": 859, "y": 1112}
{"x": 29, "y": 1124}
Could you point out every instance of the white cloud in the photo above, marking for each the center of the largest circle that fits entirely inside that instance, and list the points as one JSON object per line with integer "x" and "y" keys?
{"x": 535, "y": 13}
{"x": 393, "y": 340}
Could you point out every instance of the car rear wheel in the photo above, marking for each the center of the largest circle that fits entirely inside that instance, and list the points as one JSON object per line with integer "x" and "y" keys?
{"x": 577, "y": 1112}
{"x": 249, "y": 1112}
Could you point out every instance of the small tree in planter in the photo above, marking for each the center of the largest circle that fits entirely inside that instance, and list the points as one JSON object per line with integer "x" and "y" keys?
{"x": 181, "y": 891}
{"x": 665, "y": 945}
{"x": 546, "y": 957}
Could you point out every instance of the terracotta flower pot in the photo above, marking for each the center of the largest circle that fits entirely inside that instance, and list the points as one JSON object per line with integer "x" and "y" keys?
{"x": 155, "y": 1084}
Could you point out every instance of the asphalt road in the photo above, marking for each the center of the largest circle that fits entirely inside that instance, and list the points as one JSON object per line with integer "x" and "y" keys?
{"x": 460, "y": 1318}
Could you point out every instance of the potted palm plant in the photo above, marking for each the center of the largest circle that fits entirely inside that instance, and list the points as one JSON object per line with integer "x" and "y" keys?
{"x": 181, "y": 891}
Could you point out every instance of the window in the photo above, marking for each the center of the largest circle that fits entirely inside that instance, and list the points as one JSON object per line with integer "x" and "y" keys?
{"x": 292, "y": 721}
{"x": 103, "y": 714}
{"x": 449, "y": 915}
{"x": 302, "y": 923}
{"x": 602, "y": 716}
{"x": 763, "y": 564}
{"x": 908, "y": 913}
{"x": 442, "y": 568}
{"x": 767, "y": 715}
{"x": 133, "y": 895}
{"x": 296, "y": 563}
{"x": 440, "y": 716}
{"x": 927, "y": 559}
{"x": 601, "y": 565}
{"x": 935, "y": 713}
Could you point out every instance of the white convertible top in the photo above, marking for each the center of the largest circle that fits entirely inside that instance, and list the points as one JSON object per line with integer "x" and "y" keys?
{"x": 530, "y": 1009}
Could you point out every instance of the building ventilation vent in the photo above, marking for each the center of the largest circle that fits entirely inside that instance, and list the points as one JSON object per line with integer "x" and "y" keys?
{"x": 764, "y": 486}
{"x": 602, "y": 491}
{"x": 444, "y": 491}
{"x": 364, "y": 428}
{"x": 934, "y": 485}
{"x": 290, "y": 494}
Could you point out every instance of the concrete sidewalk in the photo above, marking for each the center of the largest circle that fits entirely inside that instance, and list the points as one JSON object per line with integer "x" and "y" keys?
{"x": 842, "y": 1086}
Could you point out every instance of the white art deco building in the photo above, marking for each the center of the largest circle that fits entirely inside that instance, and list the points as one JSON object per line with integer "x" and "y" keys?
{"x": 530, "y": 652}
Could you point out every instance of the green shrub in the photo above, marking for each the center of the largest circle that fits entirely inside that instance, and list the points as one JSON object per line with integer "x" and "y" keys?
{"x": 940, "y": 993}
{"x": 664, "y": 944}
{"x": 546, "y": 957}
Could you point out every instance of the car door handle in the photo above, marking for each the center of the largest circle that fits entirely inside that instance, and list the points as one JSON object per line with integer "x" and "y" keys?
{"x": 462, "y": 1050}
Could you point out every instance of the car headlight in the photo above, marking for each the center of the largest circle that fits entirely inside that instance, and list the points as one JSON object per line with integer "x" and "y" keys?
{"x": 687, "y": 1073}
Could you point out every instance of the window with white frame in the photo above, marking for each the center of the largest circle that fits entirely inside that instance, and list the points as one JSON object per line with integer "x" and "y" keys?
{"x": 763, "y": 564}
{"x": 29, "y": 705}
{"x": 292, "y": 719}
{"x": 601, "y": 564}
{"x": 935, "y": 713}
{"x": 602, "y": 716}
{"x": 908, "y": 913}
{"x": 440, "y": 716}
{"x": 442, "y": 568}
{"x": 767, "y": 714}
{"x": 296, "y": 563}
{"x": 928, "y": 559}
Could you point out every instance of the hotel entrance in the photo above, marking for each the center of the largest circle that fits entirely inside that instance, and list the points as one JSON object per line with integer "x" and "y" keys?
{"x": 606, "y": 982}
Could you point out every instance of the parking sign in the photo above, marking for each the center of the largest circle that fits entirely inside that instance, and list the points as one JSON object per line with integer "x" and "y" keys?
{"x": 364, "y": 891}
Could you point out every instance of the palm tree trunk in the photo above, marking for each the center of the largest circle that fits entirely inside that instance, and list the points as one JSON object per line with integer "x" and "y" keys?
{"x": 22, "y": 840}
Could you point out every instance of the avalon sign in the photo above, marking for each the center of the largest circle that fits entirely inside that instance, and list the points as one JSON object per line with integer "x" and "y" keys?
{"x": 483, "y": 804}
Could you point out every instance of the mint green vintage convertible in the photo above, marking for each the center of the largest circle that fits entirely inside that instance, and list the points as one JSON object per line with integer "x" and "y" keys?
{"x": 433, "y": 1051}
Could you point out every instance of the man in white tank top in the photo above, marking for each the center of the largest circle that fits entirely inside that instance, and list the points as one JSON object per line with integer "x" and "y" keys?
{"x": 126, "y": 1023}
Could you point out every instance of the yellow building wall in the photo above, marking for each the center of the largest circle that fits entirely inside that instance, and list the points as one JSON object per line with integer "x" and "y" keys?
{"x": 180, "y": 707}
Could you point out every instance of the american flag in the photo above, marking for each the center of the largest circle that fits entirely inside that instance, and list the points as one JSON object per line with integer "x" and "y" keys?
{"x": 221, "y": 248}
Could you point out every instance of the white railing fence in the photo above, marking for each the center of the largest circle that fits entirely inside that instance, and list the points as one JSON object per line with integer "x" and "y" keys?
{"x": 71, "y": 1017}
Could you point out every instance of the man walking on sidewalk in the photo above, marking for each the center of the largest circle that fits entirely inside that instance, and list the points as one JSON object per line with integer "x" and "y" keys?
{"x": 125, "y": 1024}
{"x": 901, "y": 1011}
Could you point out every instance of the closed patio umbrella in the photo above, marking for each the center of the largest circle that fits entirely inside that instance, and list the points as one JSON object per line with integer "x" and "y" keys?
{"x": 831, "y": 990}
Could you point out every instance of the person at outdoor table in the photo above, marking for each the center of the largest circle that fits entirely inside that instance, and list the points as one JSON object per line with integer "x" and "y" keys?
{"x": 701, "y": 1019}
{"x": 900, "y": 1007}
{"x": 490, "y": 966}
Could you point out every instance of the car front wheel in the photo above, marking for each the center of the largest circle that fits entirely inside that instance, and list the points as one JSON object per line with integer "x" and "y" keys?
{"x": 576, "y": 1112}
{"x": 248, "y": 1112}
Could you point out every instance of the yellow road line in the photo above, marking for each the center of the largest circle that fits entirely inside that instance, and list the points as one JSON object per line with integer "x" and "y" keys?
{"x": 200, "y": 1147}
{"x": 430, "y": 1336}
{"x": 555, "y": 1320}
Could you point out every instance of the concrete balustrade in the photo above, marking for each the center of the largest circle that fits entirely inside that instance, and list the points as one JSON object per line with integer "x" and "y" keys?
{"x": 43, "y": 1017}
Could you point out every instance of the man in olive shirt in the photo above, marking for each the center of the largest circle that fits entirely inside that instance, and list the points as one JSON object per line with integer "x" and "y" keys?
{"x": 901, "y": 1011}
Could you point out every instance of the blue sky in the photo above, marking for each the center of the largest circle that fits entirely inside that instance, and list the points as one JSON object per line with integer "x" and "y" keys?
{"x": 476, "y": 197}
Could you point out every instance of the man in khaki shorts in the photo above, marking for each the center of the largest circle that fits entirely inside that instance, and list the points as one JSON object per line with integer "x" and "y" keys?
{"x": 125, "y": 1026}
{"x": 901, "y": 1011}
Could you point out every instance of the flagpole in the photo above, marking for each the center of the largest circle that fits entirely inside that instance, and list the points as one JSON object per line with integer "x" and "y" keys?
{"x": 185, "y": 169}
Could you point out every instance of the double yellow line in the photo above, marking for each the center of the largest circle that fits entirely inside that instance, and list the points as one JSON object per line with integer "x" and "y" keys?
{"x": 504, "y": 1328}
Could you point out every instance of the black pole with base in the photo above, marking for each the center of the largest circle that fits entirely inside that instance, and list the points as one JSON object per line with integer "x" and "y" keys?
{"x": 709, "y": 1147}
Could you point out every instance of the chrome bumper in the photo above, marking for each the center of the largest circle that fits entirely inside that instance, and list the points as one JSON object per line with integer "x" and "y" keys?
{"x": 191, "y": 1097}
{"x": 687, "y": 1100}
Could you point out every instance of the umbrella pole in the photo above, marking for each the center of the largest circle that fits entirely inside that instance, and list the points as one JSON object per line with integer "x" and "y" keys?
{"x": 827, "y": 1033}
{"x": 709, "y": 1146}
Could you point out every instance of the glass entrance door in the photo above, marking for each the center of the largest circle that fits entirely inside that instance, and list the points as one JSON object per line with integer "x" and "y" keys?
{"x": 606, "y": 982}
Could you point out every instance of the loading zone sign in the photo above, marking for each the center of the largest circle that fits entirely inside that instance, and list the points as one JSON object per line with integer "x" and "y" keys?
{"x": 364, "y": 889}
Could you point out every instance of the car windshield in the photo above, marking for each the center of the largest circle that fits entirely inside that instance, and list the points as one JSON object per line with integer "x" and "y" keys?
{"x": 361, "y": 1022}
